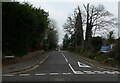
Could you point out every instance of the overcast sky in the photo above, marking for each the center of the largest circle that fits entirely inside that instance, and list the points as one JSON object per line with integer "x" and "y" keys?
{"x": 61, "y": 9}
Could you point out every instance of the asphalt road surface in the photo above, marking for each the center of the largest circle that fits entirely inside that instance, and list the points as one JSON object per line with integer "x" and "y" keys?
{"x": 64, "y": 66}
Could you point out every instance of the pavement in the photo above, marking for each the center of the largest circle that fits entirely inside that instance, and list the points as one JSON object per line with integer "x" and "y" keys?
{"x": 24, "y": 65}
{"x": 63, "y": 66}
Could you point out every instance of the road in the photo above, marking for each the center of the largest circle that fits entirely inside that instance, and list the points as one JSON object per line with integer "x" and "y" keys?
{"x": 64, "y": 66}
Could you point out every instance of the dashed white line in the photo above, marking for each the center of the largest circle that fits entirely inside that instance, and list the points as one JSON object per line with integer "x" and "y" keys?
{"x": 40, "y": 74}
{"x": 53, "y": 73}
{"x": 89, "y": 72}
{"x": 66, "y": 59}
{"x": 109, "y": 72}
{"x": 66, "y": 73}
{"x": 8, "y": 75}
{"x": 63, "y": 55}
{"x": 24, "y": 74}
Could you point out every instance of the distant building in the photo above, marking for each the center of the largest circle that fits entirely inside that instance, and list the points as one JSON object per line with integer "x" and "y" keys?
{"x": 119, "y": 19}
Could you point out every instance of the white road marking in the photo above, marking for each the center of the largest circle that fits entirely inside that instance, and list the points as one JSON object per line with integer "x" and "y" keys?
{"x": 72, "y": 69}
{"x": 35, "y": 66}
{"x": 99, "y": 72}
{"x": 40, "y": 62}
{"x": 88, "y": 62}
{"x": 109, "y": 72}
{"x": 37, "y": 61}
{"x": 66, "y": 59}
{"x": 79, "y": 72}
{"x": 9, "y": 75}
{"x": 63, "y": 55}
{"x": 83, "y": 65}
{"x": 53, "y": 73}
{"x": 24, "y": 74}
{"x": 40, "y": 74}
{"x": 117, "y": 72}
{"x": 66, "y": 73}
{"x": 89, "y": 72}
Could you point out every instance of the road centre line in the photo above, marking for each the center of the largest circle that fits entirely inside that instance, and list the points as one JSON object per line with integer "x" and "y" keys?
{"x": 66, "y": 59}
{"x": 63, "y": 55}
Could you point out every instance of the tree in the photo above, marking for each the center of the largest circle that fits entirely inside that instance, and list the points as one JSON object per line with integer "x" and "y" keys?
{"x": 96, "y": 17}
{"x": 74, "y": 28}
{"x": 93, "y": 18}
{"x": 51, "y": 37}
{"x": 23, "y": 27}
{"x": 66, "y": 42}
{"x": 111, "y": 37}
{"x": 78, "y": 30}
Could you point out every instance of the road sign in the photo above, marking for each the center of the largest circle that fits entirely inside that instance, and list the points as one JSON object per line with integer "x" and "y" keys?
{"x": 105, "y": 48}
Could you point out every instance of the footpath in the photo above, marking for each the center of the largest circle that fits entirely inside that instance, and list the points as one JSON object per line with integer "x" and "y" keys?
{"x": 24, "y": 66}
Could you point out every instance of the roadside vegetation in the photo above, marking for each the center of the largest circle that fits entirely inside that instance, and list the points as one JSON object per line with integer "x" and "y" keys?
{"x": 26, "y": 29}
{"x": 87, "y": 29}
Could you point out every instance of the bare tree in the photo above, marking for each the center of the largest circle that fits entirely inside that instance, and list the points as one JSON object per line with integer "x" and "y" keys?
{"x": 74, "y": 27}
{"x": 98, "y": 18}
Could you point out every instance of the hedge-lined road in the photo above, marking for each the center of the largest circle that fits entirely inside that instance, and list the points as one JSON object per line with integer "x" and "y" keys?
{"x": 64, "y": 66}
